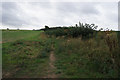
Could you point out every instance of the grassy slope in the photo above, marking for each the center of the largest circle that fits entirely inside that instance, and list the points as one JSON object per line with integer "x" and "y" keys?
{"x": 10, "y": 36}
{"x": 75, "y": 58}
{"x": 28, "y": 57}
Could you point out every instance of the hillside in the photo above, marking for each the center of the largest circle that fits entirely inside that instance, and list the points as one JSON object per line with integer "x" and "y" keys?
{"x": 36, "y": 54}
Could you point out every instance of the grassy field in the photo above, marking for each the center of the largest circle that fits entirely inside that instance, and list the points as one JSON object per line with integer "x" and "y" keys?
{"x": 33, "y": 54}
{"x": 11, "y": 36}
{"x": 25, "y": 54}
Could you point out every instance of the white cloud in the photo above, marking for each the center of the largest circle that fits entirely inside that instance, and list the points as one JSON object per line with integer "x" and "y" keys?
{"x": 34, "y": 15}
{"x": 59, "y": 0}
{"x": 0, "y": 14}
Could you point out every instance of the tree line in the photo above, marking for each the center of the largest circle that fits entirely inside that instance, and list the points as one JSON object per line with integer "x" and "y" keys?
{"x": 83, "y": 30}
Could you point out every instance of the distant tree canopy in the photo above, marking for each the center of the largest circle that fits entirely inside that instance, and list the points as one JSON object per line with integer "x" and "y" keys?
{"x": 84, "y": 30}
{"x": 7, "y": 28}
{"x": 46, "y": 27}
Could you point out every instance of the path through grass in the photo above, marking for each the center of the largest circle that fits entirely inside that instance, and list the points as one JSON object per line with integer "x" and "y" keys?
{"x": 26, "y": 58}
{"x": 40, "y": 56}
{"x": 51, "y": 73}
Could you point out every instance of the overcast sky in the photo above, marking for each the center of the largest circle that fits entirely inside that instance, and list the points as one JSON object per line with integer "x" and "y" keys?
{"x": 35, "y": 15}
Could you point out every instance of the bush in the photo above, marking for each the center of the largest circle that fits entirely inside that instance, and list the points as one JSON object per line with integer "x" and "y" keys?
{"x": 85, "y": 31}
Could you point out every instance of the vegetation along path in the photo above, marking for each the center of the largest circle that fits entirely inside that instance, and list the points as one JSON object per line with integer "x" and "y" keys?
{"x": 45, "y": 56}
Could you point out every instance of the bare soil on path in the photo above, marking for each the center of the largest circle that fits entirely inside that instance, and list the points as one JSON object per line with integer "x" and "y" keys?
{"x": 0, "y": 42}
{"x": 52, "y": 68}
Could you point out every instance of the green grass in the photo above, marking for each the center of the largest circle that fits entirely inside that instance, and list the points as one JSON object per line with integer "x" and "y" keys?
{"x": 11, "y": 36}
{"x": 26, "y": 54}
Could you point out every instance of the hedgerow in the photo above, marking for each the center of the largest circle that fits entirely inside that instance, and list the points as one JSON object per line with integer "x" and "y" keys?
{"x": 85, "y": 31}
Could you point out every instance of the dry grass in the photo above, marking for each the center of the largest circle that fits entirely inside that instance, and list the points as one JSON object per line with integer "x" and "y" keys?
{"x": 93, "y": 55}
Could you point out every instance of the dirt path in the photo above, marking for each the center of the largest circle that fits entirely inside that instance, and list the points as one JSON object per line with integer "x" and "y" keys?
{"x": 52, "y": 68}
{"x": 0, "y": 42}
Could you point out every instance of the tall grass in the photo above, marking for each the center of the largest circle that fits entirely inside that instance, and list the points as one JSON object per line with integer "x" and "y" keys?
{"x": 91, "y": 58}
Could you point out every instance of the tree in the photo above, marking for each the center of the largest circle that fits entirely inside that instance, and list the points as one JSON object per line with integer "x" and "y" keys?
{"x": 80, "y": 24}
{"x": 46, "y": 27}
{"x": 7, "y": 28}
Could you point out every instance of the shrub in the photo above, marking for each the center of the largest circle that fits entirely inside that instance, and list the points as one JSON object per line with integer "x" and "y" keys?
{"x": 85, "y": 31}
